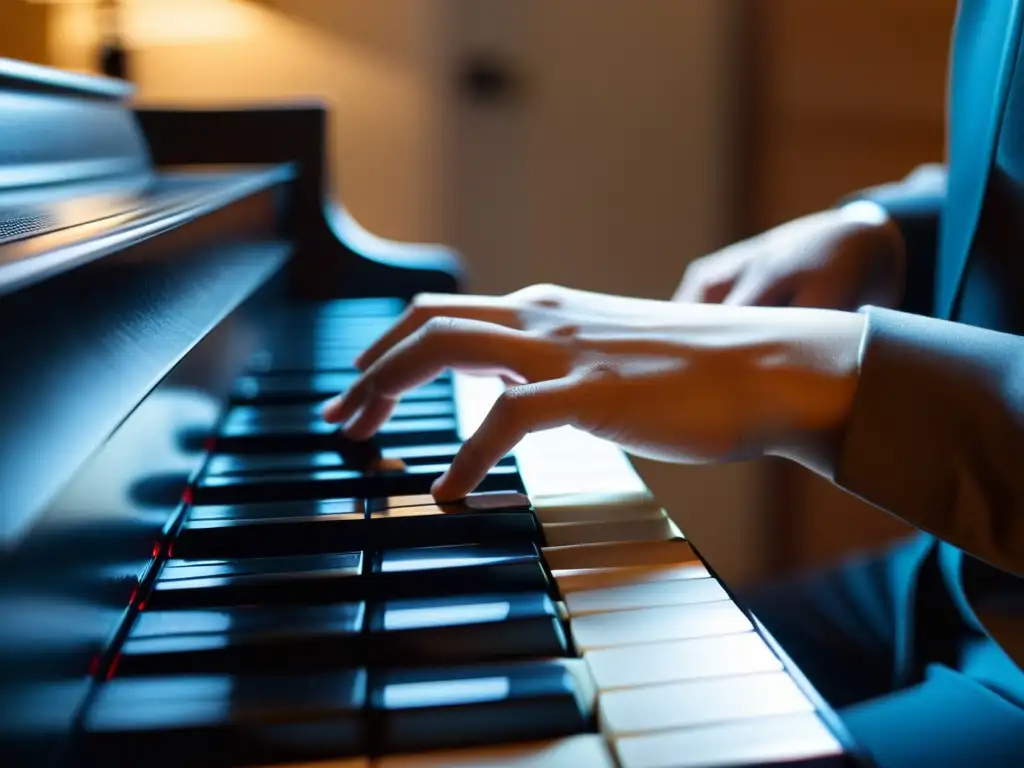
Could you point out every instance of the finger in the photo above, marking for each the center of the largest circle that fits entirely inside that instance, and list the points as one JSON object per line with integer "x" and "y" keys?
{"x": 705, "y": 287}
{"x": 517, "y": 412}
{"x": 441, "y": 343}
{"x": 429, "y": 306}
{"x": 756, "y": 289}
{"x": 374, "y": 414}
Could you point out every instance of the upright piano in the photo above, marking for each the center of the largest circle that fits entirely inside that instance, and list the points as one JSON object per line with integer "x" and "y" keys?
{"x": 197, "y": 571}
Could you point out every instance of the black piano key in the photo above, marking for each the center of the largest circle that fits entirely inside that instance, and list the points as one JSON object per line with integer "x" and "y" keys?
{"x": 315, "y": 436}
{"x": 306, "y": 580}
{"x": 288, "y": 388}
{"x": 459, "y": 570}
{"x": 466, "y": 629}
{"x": 421, "y": 709}
{"x": 245, "y": 639}
{"x": 258, "y": 463}
{"x": 276, "y": 510}
{"x": 435, "y": 525}
{"x": 318, "y": 579}
{"x": 306, "y": 528}
{"x": 475, "y": 502}
{"x": 224, "y": 720}
{"x": 305, "y": 413}
{"x": 235, "y": 534}
{"x": 178, "y": 568}
{"x": 334, "y": 483}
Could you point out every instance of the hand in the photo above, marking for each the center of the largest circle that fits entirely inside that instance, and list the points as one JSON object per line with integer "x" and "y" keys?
{"x": 838, "y": 259}
{"x": 666, "y": 381}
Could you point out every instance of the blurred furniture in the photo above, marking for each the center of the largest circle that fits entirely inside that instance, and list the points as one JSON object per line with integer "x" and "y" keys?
{"x": 839, "y": 95}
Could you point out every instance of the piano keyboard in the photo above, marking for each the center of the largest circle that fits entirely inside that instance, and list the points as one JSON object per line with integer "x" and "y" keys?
{"x": 313, "y": 606}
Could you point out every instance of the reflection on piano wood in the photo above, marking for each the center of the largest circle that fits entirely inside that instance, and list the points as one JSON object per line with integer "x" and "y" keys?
{"x": 197, "y": 571}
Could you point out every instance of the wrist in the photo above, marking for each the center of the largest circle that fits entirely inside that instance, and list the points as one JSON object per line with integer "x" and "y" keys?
{"x": 808, "y": 391}
{"x": 878, "y": 235}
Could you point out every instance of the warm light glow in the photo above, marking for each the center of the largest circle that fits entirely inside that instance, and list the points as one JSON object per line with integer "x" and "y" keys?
{"x": 164, "y": 22}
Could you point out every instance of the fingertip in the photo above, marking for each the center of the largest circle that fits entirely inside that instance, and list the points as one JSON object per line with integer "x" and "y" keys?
{"x": 443, "y": 492}
{"x": 331, "y": 410}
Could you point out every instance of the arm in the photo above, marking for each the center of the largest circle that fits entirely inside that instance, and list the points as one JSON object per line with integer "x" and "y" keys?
{"x": 936, "y": 432}
{"x": 914, "y": 205}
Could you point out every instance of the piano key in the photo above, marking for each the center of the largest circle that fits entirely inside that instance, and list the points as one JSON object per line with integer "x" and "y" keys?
{"x": 652, "y": 529}
{"x": 288, "y": 388}
{"x": 586, "y": 750}
{"x": 332, "y": 483}
{"x": 651, "y": 625}
{"x": 587, "y": 507}
{"x": 317, "y": 436}
{"x": 653, "y": 595}
{"x": 632, "y": 666}
{"x": 423, "y": 709}
{"x": 291, "y": 533}
{"x": 276, "y": 510}
{"x": 466, "y": 629}
{"x": 319, "y": 359}
{"x": 463, "y": 569}
{"x": 225, "y": 720}
{"x": 486, "y": 501}
{"x": 700, "y": 702}
{"x": 258, "y": 463}
{"x": 574, "y": 580}
{"x": 303, "y": 580}
{"x": 435, "y": 525}
{"x": 247, "y": 639}
{"x": 176, "y": 569}
{"x": 267, "y": 537}
{"x": 617, "y": 554}
{"x": 306, "y": 413}
{"x": 798, "y": 739}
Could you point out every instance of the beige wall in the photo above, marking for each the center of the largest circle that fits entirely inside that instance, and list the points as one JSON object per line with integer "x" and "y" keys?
{"x": 23, "y": 31}
{"x": 374, "y": 63}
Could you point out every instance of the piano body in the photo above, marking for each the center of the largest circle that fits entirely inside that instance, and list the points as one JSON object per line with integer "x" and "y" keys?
{"x": 197, "y": 572}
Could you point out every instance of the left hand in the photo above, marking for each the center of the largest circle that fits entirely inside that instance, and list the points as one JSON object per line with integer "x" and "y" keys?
{"x": 676, "y": 382}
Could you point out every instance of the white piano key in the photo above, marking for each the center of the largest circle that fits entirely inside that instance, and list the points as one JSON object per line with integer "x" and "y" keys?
{"x": 651, "y": 529}
{"x": 653, "y": 625}
{"x": 699, "y": 702}
{"x": 619, "y": 554}
{"x": 761, "y": 741}
{"x": 590, "y": 507}
{"x": 553, "y": 462}
{"x": 633, "y": 596}
{"x": 584, "y": 751}
{"x": 655, "y": 663}
{"x": 577, "y": 579}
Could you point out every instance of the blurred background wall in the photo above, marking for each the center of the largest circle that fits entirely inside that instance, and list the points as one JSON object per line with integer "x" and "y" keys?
{"x": 597, "y": 143}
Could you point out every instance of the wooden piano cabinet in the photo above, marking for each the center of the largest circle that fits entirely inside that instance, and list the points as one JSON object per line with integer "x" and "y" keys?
{"x": 839, "y": 95}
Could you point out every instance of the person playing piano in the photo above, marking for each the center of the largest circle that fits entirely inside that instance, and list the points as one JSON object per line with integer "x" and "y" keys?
{"x": 878, "y": 344}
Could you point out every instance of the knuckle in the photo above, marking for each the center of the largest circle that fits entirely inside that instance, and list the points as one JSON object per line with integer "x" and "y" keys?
{"x": 439, "y": 326}
{"x": 511, "y": 404}
{"x": 547, "y": 295}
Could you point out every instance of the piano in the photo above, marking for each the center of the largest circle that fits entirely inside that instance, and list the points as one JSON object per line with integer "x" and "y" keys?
{"x": 197, "y": 571}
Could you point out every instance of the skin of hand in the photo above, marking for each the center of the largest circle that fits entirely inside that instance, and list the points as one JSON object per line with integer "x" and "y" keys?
{"x": 670, "y": 381}
{"x": 840, "y": 259}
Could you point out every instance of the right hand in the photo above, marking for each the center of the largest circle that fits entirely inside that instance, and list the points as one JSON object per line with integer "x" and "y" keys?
{"x": 836, "y": 259}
